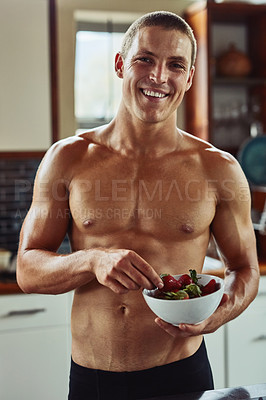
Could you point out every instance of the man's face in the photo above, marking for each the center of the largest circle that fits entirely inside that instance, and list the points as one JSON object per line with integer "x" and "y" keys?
{"x": 156, "y": 73}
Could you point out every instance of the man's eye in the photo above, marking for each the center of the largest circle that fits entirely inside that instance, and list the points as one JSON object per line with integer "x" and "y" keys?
{"x": 175, "y": 65}
{"x": 145, "y": 59}
{"x": 178, "y": 66}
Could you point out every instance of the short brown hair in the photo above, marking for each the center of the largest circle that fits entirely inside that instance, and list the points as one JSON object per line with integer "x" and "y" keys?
{"x": 165, "y": 19}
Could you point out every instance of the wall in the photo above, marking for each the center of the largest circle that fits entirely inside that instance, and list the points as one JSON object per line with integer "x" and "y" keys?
{"x": 66, "y": 46}
{"x": 25, "y": 122}
{"x": 16, "y": 182}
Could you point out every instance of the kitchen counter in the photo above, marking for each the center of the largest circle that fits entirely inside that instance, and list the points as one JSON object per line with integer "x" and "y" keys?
{"x": 255, "y": 392}
{"x": 9, "y": 286}
{"x": 220, "y": 271}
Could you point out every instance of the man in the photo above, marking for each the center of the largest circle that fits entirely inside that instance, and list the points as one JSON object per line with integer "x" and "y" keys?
{"x": 139, "y": 197}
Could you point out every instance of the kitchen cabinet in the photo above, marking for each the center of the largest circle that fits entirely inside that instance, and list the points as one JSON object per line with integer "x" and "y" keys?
{"x": 35, "y": 346}
{"x": 246, "y": 343}
{"x": 215, "y": 344}
{"x": 237, "y": 350}
{"x": 226, "y": 110}
{"x": 25, "y": 100}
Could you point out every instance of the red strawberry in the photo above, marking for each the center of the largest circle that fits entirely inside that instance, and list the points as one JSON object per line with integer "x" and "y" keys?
{"x": 209, "y": 288}
{"x": 170, "y": 283}
{"x": 184, "y": 280}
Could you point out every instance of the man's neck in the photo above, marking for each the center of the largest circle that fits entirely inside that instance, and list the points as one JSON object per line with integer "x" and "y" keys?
{"x": 143, "y": 139}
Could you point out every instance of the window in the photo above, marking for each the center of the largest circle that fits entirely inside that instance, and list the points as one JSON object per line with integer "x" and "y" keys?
{"x": 97, "y": 87}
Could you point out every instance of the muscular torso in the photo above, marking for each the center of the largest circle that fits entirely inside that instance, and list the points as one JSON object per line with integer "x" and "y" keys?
{"x": 160, "y": 208}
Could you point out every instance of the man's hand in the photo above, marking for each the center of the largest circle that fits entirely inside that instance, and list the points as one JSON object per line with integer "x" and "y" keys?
{"x": 217, "y": 319}
{"x": 123, "y": 270}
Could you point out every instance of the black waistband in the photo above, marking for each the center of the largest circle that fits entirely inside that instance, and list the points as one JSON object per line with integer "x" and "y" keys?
{"x": 187, "y": 375}
{"x": 193, "y": 362}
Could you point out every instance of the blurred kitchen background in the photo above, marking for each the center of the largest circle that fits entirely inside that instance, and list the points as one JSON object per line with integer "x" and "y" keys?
{"x": 57, "y": 78}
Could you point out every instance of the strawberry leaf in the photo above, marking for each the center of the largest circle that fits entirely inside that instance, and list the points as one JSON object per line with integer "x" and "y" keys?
{"x": 193, "y": 274}
{"x": 193, "y": 290}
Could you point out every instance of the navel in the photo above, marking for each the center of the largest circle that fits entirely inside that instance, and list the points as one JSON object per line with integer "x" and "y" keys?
{"x": 187, "y": 228}
{"x": 123, "y": 309}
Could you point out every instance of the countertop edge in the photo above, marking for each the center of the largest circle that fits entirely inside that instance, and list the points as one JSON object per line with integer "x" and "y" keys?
{"x": 10, "y": 288}
{"x": 13, "y": 287}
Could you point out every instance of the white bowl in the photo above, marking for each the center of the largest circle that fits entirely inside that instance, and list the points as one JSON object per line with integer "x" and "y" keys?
{"x": 189, "y": 311}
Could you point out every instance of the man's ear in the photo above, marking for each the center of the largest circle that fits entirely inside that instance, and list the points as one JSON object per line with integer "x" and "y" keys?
{"x": 190, "y": 78}
{"x": 119, "y": 65}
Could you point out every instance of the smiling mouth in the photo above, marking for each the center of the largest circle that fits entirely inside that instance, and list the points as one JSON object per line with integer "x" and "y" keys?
{"x": 152, "y": 93}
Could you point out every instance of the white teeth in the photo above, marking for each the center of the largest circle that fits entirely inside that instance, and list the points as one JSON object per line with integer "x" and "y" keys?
{"x": 153, "y": 94}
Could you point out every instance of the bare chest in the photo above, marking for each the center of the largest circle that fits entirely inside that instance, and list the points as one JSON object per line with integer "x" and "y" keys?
{"x": 171, "y": 198}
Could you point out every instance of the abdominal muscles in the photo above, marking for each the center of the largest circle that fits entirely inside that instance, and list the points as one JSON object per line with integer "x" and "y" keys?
{"x": 118, "y": 332}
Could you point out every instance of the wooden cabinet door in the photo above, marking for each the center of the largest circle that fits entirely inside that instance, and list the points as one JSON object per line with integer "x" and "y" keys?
{"x": 246, "y": 343}
{"x": 197, "y": 98}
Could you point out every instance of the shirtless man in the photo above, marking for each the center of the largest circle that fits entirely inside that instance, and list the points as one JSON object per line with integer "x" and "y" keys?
{"x": 139, "y": 197}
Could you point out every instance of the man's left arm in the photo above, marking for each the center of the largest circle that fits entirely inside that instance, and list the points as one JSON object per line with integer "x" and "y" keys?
{"x": 234, "y": 234}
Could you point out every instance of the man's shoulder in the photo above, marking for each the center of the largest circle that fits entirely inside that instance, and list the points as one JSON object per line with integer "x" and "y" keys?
{"x": 216, "y": 161}
{"x": 207, "y": 150}
{"x": 69, "y": 144}
{"x": 73, "y": 146}
{"x": 62, "y": 155}
{"x": 221, "y": 169}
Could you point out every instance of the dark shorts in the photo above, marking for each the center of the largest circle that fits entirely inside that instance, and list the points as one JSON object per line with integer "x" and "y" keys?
{"x": 192, "y": 374}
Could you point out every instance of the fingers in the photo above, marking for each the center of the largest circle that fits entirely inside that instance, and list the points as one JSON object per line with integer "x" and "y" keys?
{"x": 117, "y": 287}
{"x": 125, "y": 280}
{"x": 117, "y": 281}
{"x": 143, "y": 273}
{"x": 172, "y": 330}
{"x": 123, "y": 270}
{"x": 225, "y": 298}
{"x": 182, "y": 330}
{"x": 209, "y": 325}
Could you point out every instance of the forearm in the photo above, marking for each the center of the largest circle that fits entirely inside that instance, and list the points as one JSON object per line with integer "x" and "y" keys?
{"x": 43, "y": 271}
{"x": 241, "y": 285}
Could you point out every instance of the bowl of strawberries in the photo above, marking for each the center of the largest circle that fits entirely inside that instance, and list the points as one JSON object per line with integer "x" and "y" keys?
{"x": 186, "y": 298}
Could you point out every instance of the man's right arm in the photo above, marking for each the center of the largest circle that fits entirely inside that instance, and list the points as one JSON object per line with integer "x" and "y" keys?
{"x": 39, "y": 268}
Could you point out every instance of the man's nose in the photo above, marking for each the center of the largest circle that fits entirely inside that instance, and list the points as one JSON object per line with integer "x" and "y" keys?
{"x": 158, "y": 73}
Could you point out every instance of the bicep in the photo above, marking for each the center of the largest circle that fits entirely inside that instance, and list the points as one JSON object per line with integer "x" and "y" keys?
{"x": 232, "y": 227}
{"x": 44, "y": 228}
{"x": 46, "y": 223}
